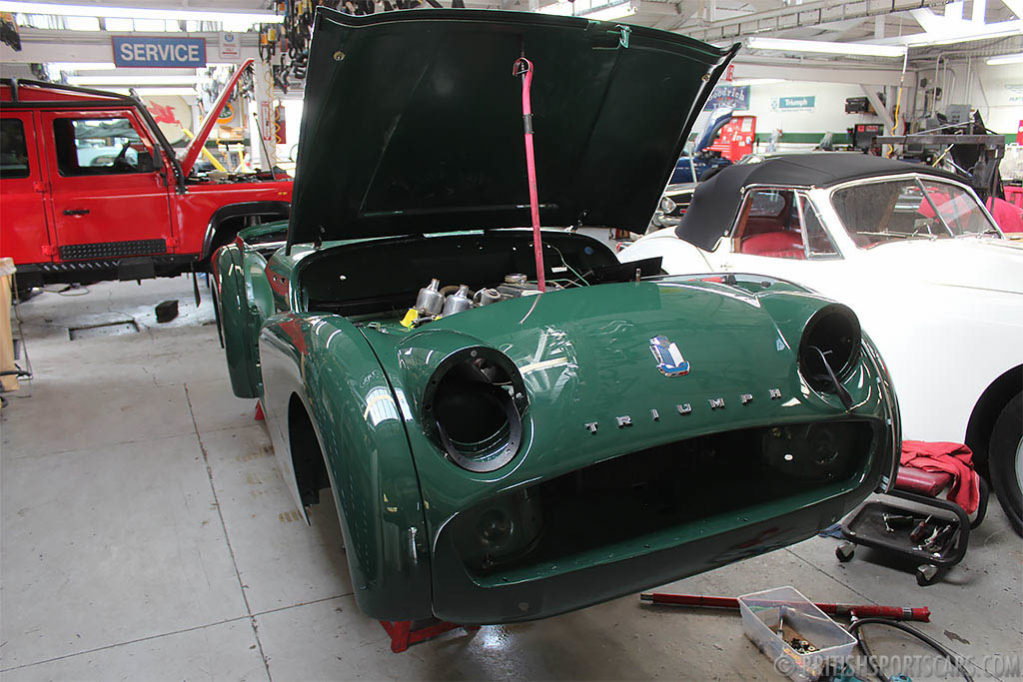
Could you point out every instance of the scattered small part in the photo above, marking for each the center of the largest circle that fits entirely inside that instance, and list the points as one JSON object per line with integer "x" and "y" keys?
{"x": 166, "y": 310}
{"x": 917, "y": 534}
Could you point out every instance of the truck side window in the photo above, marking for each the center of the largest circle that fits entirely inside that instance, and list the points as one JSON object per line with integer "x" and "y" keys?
{"x": 13, "y": 150}
{"x": 101, "y": 146}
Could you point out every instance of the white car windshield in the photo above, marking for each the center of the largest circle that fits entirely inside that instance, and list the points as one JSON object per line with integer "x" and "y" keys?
{"x": 879, "y": 212}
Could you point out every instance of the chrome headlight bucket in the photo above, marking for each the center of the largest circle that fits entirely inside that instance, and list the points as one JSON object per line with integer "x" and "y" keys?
{"x": 473, "y": 407}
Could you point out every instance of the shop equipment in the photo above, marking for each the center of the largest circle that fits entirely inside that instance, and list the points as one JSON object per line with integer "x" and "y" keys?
{"x": 920, "y": 614}
{"x": 935, "y": 538}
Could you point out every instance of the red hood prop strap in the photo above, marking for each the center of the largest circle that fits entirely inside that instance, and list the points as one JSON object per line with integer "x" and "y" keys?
{"x": 523, "y": 67}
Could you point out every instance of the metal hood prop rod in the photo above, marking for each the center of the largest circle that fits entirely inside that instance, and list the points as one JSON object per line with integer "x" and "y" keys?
{"x": 523, "y": 67}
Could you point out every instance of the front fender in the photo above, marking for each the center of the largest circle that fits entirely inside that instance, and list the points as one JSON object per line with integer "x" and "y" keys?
{"x": 359, "y": 424}
{"x": 244, "y": 299}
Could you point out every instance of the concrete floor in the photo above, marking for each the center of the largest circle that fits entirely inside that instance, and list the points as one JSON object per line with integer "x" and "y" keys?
{"x": 148, "y": 535}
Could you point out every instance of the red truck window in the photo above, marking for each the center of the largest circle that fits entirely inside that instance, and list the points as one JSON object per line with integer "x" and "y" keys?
{"x": 101, "y": 146}
{"x": 13, "y": 151}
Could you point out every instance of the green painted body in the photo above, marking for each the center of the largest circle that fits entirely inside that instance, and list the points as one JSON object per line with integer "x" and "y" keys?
{"x": 584, "y": 356}
{"x": 626, "y": 476}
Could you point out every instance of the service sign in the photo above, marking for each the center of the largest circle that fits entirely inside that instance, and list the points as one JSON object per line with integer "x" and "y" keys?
{"x": 159, "y": 52}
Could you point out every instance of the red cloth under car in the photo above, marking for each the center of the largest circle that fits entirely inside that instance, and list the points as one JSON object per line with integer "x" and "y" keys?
{"x": 952, "y": 458}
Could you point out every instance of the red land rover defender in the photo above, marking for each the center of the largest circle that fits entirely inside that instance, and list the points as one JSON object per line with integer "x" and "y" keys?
{"x": 91, "y": 190}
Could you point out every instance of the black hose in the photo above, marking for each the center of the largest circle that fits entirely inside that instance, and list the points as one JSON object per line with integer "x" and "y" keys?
{"x": 854, "y": 629}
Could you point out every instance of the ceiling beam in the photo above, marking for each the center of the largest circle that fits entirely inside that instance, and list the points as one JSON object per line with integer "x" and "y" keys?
{"x": 798, "y": 16}
{"x": 879, "y": 107}
{"x": 747, "y": 66}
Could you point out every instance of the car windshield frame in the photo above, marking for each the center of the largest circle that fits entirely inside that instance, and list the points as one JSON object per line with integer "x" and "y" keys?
{"x": 919, "y": 179}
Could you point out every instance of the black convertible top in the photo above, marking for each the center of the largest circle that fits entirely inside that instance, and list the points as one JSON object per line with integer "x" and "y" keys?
{"x": 717, "y": 200}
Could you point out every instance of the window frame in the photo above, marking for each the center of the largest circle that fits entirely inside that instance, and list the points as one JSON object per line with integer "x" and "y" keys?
{"x": 133, "y": 121}
{"x": 919, "y": 178}
{"x": 25, "y": 148}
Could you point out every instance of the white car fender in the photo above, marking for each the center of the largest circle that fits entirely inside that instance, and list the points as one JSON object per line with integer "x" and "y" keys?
{"x": 677, "y": 255}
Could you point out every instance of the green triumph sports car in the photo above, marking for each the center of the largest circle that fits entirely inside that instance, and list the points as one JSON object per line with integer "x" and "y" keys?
{"x": 499, "y": 453}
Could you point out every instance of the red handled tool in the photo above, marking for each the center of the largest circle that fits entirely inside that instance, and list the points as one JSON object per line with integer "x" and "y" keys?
{"x": 921, "y": 614}
{"x": 523, "y": 67}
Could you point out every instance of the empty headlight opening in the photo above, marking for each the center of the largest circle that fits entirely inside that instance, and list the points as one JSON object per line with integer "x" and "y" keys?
{"x": 832, "y": 335}
{"x": 473, "y": 407}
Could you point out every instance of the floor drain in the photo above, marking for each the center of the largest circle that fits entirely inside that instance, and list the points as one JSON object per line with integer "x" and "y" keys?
{"x": 115, "y": 328}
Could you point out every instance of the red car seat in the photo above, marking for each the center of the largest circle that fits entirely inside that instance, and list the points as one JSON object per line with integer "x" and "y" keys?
{"x": 778, "y": 244}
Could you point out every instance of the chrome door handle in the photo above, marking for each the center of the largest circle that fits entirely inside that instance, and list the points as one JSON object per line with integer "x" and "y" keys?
{"x": 76, "y": 211}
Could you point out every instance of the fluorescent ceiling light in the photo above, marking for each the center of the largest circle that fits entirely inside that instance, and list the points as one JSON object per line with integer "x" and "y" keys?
{"x": 1006, "y": 59}
{"x": 619, "y": 11}
{"x": 132, "y": 80}
{"x": 1004, "y": 29}
{"x": 136, "y": 12}
{"x": 156, "y": 91}
{"x": 598, "y": 12}
{"x": 752, "y": 81}
{"x": 82, "y": 66}
{"x": 856, "y": 49}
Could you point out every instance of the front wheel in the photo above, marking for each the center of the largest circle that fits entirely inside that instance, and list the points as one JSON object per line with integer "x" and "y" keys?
{"x": 1005, "y": 461}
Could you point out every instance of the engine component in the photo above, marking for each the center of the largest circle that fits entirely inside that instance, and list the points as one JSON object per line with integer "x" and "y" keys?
{"x": 430, "y": 301}
{"x": 486, "y": 297}
{"x": 459, "y": 301}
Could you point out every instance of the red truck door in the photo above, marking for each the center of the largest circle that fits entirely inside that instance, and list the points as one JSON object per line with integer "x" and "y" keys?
{"x": 24, "y": 233}
{"x": 109, "y": 187}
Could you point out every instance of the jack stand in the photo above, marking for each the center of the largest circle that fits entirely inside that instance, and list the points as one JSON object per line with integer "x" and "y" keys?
{"x": 403, "y": 635}
{"x": 259, "y": 412}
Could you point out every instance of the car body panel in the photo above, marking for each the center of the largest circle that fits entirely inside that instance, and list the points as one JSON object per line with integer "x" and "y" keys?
{"x": 436, "y": 86}
{"x": 594, "y": 369}
{"x": 362, "y": 383}
{"x": 327, "y": 364}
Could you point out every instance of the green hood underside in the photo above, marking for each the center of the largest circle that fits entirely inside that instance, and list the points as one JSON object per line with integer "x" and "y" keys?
{"x": 413, "y": 121}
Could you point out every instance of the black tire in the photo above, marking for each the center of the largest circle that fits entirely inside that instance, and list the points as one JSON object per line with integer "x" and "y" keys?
{"x": 1005, "y": 461}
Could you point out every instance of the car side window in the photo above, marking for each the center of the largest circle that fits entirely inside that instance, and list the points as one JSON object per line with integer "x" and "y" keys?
{"x": 769, "y": 225}
{"x": 818, "y": 242}
{"x": 13, "y": 150}
{"x": 100, "y": 146}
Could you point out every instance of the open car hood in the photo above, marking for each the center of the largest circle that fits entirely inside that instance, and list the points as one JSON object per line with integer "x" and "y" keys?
{"x": 413, "y": 121}
{"x": 206, "y": 127}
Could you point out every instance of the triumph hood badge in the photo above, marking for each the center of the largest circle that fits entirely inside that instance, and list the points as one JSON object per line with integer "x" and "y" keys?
{"x": 669, "y": 359}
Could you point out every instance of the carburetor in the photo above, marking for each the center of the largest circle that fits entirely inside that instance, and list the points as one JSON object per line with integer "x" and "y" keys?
{"x": 434, "y": 301}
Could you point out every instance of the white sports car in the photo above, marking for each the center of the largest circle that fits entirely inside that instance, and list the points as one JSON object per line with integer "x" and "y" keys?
{"x": 914, "y": 253}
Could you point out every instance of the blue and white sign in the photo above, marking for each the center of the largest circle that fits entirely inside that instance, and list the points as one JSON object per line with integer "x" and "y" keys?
{"x": 669, "y": 358}
{"x": 159, "y": 52}
{"x": 807, "y": 103}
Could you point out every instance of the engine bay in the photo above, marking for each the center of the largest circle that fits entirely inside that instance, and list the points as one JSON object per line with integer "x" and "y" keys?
{"x": 419, "y": 279}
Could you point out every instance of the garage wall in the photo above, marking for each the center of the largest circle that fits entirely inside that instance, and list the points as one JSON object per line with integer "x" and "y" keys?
{"x": 997, "y": 91}
{"x": 806, "y": 124}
